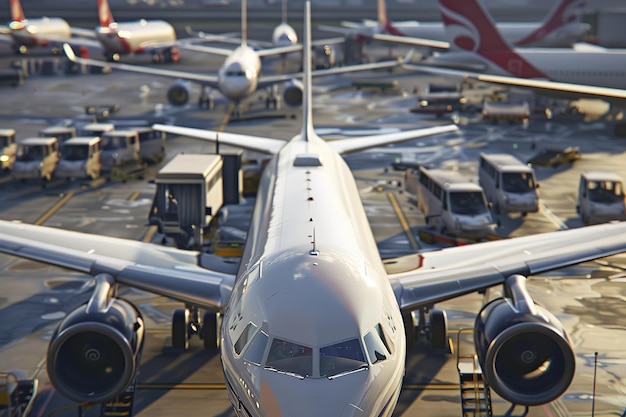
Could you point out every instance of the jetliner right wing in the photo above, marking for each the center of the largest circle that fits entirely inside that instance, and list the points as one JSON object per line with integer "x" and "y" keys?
{"x": 564, "y": 90}
{"x": 431, "y": 277}
{"x": 367, "y": 32}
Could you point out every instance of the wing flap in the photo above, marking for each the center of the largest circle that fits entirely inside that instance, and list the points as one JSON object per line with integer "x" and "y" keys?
{"x": 161, "y": 270}
{"x": 447, "y": 273}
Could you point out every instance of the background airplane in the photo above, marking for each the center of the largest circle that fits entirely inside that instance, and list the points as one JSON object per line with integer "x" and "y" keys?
{"x": 561, "y": 27}
{"x": 314, "y": 323}
{"x": 239, "y": 76}
{"x": 44, "y": 31}
{"x": 589, "y": 72}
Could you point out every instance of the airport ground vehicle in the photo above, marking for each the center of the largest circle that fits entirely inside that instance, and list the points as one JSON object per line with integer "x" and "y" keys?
{"x": 452, "y": 204}
{"x": 80, "y": 158}
{"x": 600, "y": 197}
{"x": 8, "y": 148}
{"x": 151, "y": 144}
{"x": 496, "y": 111}
{"x": 16, "y": 395}
{"x": 62, "y": 133}
{"x": 509, "y": 184}
{"x": 37, "y": 158}
{"x": 189, "y": 193}
{"x": 119, "y": 148}
{"x": 96, "y": 129}
{"x": 555, "y": 157}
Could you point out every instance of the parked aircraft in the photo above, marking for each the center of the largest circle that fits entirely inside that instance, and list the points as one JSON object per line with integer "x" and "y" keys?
{"x": 44, "y": 31}
{"x": 590, "y": 72}
{"x": 562, "y": 27}
{"x": 313, "y": 324}
{"x": 238, "y": 77}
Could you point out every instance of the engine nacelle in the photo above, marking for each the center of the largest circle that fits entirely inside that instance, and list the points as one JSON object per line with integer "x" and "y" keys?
{"x": 292, "y": 93}
{"x": 524, "y": 352}
{"x": 179, "y": 93}
{"x": 93, "y": 356}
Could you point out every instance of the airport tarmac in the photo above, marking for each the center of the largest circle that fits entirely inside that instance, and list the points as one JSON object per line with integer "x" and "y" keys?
{"x": 588, "y": 299}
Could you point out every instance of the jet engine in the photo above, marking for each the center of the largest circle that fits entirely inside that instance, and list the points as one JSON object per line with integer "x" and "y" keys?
{"x": 292, "y": 93}
{"x": 524, "y": 352}
{"x": 178, "y": 94}
{"x": 94, "y": 353}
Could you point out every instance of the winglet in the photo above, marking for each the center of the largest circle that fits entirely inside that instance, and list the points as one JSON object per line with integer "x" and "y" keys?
{"x": 69, "y": 52}
{"x": 17, "y": 14}
{"x": 105, "y": 17}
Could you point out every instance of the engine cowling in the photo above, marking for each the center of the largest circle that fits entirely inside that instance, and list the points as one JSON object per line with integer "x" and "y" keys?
{"x": 178, "y": 94}
{"x": 93, "y": 356}
{"x": 292, "y": 93}
{"x": 524, "y": 352}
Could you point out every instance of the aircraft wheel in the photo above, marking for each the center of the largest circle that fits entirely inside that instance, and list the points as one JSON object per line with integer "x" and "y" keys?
{"x": 438, "y": 329}
{"x": 180, "y": 322}
{"x": 209, "y": 330}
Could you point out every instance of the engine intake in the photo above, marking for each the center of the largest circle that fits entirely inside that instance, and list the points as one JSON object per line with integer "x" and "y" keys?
{"x": 292, "y": 93}
{"x": 178, "y": 94}
{"x": 524, "y": 352}
{"x": 94, "y": 354}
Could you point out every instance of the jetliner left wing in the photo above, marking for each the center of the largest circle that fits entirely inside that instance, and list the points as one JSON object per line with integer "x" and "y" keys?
{"x": 367, "y": 31}
{"x": 436, "y": 276}
{"x": 560, "y": 89}
{"x": 166, "y": 271}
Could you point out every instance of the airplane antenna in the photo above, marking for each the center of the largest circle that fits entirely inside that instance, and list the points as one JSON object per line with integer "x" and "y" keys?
{"x": 307, "y": 101}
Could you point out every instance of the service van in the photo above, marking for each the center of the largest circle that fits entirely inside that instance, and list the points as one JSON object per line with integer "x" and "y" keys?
{"x": 119, "y": 147}
{"x": 509, "y": 184}
{"x": 453, "y": 205}
{"x": 8, "y": 148}
{"x": 95, "y": 129}
{"x": 80, "y": 158}
{"x": 37, "y": 158}
{"x": 151, "y": 144}
{"x": 600, "y": 197}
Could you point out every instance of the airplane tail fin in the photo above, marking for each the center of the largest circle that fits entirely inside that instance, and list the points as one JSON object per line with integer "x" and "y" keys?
{"x": 383, "y": 19}
{"x": 17, "y": 14}
{"x": 470, "y": 28}
{"x": 244, "y": 22}
{"x": 563, "y": 13}
{"x": 307, "y": 93}
{"x": 104, "y": 13}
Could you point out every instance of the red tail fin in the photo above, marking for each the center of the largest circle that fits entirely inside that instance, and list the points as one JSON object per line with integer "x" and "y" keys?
{"x": 17, "y": 14}
{"x": 104, "y": 13}
{"x": 470, "y": 28}
{"x": 565, "y": 12}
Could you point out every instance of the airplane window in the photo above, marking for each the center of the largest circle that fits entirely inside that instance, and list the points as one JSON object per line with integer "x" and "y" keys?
{"x": 254, "y": 354}
{"x": 245, "y": 336}
{"x": 383, "y": 337}
{"x": 375, "y": 348}
{"x": 290, "y": 358}
{"x": 341, "y": 358}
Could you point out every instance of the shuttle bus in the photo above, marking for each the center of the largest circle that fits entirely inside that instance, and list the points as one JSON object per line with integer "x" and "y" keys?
{"x": 453, "y": 205}
{"x": 509, "y": 184}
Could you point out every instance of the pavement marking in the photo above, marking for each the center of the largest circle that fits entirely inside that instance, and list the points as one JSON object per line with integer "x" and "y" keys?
{"x": 548, "y": 214}
{"x": 41, "y": 220}
{"x": 402, "y": 219}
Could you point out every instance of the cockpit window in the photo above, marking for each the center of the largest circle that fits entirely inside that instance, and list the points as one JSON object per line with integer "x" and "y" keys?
{"x": 383, "y": 337}
{"x": 245, "y": 336}
{"x": 254, "y": 354}
{"x": 341, "y": 357}
{"x": 290, "y": 358}
{"x": 375, "y": 347}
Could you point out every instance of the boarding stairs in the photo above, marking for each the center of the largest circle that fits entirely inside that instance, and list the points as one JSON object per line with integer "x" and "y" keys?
{"x": 122, "y": 405}
{"x": 475, "y": 392}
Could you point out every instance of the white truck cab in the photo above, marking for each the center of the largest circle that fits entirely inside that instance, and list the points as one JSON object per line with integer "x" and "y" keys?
{"x": 600, "y": 197}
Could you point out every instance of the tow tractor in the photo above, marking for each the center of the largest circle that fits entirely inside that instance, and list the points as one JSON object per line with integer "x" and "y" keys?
{"x": 16, "y": 395}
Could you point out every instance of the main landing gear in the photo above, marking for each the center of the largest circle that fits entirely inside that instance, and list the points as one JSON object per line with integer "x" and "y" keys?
{"x": 186, "y": 323}
{"x": 434, "y": 329}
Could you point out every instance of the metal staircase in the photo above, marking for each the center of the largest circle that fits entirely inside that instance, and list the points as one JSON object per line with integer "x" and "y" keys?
{"x": 475, "y": 392}
{"x": 122, "y": 405}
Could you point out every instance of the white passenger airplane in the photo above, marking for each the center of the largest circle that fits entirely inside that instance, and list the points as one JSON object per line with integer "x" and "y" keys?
{"x": 313, "y": 324}
{"x": 561, "y": 28}
{"x": 593, "y": 72}
{"x": 239, "y": 76}
{"x": 43, "y": 31}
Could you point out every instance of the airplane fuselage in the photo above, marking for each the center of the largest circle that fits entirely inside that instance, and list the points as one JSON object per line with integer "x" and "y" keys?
{"x": 239, "y": 75}
{"x": 313, "y": 281}
{"x": 134, "y": 37}
{"x": 33, "y": 32}
{"x": 284, "y": 35}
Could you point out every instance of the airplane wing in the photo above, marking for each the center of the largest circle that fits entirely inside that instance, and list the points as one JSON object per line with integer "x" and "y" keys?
{"x": 436, "y": 276}
{"x": 248, "y": 142}
{"x": 166, "y": 271}
{"x": 368, "y": 31}
{"x": 345, "y": 146}
{"x": 559, "y": 89}
{"x": 206, "y": 79}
